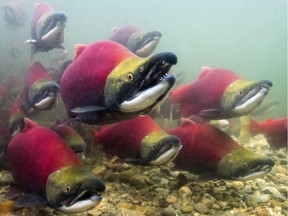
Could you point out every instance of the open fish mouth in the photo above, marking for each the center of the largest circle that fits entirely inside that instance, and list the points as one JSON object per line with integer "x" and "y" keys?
{"x": 155, "y": 85}
{"x": 81, "y": 202}
{"x": 148, "y": 44}
{"x": 253, "y": 98}
{"x": 52, "y": 21}
{"x": 257, "y": 172}
{"x": 47, "y": 97}
{"x": 166, "y": 152}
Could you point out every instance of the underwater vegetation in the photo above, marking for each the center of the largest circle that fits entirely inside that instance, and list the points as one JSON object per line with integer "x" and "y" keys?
{"x": 115, "y": 126}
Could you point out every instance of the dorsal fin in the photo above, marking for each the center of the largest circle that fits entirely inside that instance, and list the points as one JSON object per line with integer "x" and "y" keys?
{"x": 268, "y": 119}
{"x": 203, "y": 71}
{"x": 186, "y": 122}
{"x": 29, "y": 124}
{"x": 78, "y": 49}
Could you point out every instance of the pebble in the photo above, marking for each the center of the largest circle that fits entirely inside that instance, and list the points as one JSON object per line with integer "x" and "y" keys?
{"x": 247, "y": 189}
{"x": 208, "y": 202}
{"x": 162, "y": 191}
{"x": 171, "y": 199}
{"x": 250, "y": 201}
{"x": 132, "y": 209}
{"x": 187, "y": 208}
{"x": 169, "y": 211}
{"x": 275, "y": 203}
{"x": 263, "y": 198}
{"x": 99, "y": 170}
{"x": 6, "y": 178}
{"x": 201, "y": 208}
{"x": 273, "y": 192}
{"x": 262, "y": 211}
{"x": 184, "y": 195}
{"x": 237, "y": 185}
{"x": 138, "y": 180}
{"x": 164, "y": 181}
{"x": 260, "y": 183}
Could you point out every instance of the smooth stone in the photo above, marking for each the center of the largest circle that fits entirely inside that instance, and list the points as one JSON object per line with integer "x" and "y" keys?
{"x": 250, "y": 200}
{"x": 133, "y": 209}
{"x": 260, "y": 183}
{"x": 208, "y": 202}
{"x": 187, "y": 208}
{"x": 201, "y": 208}
{"x": 162, "y": 191}
{"x": 275, "y": 203}
{"x": 138, "y": 180}
{"x": 171, "y": 199}
{"x": 125, "y": 175}
{"x": 169, "y": 211}
{"x": 273, "y": 192}
{"x": 285, "y": 205}
{"x": 262, "y": 211}
{"x": 237, "y": 185}
{"x": 263, "y": 198}
{"x": 164, "y": 181}
{"x": 184, "y": 195}
{"x": 99, "y": 170}
{"x": 247, "y": 189}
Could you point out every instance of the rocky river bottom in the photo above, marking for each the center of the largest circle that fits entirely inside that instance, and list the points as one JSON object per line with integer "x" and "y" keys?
{"x": 136, "y": 190}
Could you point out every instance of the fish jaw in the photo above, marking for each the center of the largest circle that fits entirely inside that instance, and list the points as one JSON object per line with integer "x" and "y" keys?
{"x": 159, "y": 148}
{"x": 137, "y": 85}
{"x": 143, "y": 43}
{"x": 43, "y": 95}
{"x": 56, "y": 36}
{"x": 50, "y": 32}
{"x": 242, "y": 164}
{"x": 74, "y": 189}
{"x": 242, "y": 97}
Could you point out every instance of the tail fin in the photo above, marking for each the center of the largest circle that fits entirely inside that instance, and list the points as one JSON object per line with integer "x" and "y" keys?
{"x": 245, "y": 123}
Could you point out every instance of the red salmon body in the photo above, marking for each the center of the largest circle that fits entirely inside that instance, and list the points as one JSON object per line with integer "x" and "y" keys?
{"x": 36, "y": 153}
{"x": 274, "y": 130}
{"x": 203, "y": 146}
{"x": 204, "y": 93}
{"x": 83, "y": 82}
{"x": 124, "y": 138}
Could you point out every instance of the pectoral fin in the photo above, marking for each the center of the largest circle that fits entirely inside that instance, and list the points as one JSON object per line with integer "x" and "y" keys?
{"x": 136, "y": 161}
{"x": 31, "y": 41}
{"x": 89, "y": 114}
{"x": 88, "y": 109}
{"x": 30, "y": 200}
{"x": 211, "y": 113}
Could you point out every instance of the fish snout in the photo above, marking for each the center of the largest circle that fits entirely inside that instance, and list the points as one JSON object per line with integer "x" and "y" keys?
{"x": 266, "y": 83}
{"x": 60, "y": 16}
{"x": 166, "y": 150}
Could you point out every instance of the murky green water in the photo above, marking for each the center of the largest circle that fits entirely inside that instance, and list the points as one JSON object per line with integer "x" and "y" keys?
{"x": 248, "y": 37}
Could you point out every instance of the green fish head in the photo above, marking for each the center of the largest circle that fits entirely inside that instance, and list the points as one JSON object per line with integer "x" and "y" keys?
{"x": 243, "y": 164}
{"x": 159, "y": 148}
{"x": 137, "y": 85}
{"x": 74, "y": 189}
{"x": 43, "y": 94}
{"x": 242, "y": 97}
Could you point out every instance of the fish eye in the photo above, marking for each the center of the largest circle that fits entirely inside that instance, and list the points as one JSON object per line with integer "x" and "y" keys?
{"x": 245, "y": 165}
{"x": 68, "y": 188}
{"x": 241, "y": 91}
{"x": 130, "y": 77}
